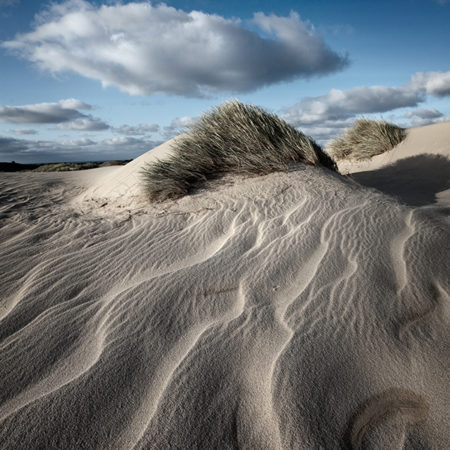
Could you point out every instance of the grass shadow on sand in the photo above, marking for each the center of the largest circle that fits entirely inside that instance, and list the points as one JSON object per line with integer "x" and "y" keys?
{"x": 415, "y": 181}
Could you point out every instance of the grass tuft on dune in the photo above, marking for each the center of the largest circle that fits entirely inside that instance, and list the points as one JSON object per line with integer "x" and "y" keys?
{"x": 232, "y": 138}
{"x": 63, "y": 167}
{"x": 367, "y": 138}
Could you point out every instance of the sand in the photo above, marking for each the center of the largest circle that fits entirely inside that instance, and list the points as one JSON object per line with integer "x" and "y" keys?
{"x": 416, "y": 172}
{"x": 297, "y": 310}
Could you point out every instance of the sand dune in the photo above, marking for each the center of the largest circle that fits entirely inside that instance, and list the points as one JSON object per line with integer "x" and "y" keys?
{"x": 293, "y": 310}
{"x": 122, "y": 186}
{"x": 416, "y": 171}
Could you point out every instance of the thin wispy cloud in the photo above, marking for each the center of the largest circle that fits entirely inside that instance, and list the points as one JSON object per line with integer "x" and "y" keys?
{"x": 21, "y": 131}
{"x": 138, "y": 130}
{"x": 65, "y": 113}
{"x": 143, "y": 49}
{"x": 424, "y": 113}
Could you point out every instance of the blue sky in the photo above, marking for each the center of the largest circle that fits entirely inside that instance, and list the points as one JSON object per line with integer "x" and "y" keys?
{"x": 109, "y": 80}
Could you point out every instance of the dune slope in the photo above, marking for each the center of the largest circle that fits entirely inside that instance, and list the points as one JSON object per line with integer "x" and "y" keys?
{"x": 294, "y": 310}
{"x": 416, "y": 171}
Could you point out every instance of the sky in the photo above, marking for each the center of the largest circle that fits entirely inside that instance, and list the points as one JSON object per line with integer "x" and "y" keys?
{"x": 99, "y": 80}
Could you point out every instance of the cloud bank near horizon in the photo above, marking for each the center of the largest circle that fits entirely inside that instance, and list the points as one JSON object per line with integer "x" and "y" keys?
{"x": 323, "y": 117}
{"x": 144, "y": 49}
{"x": 338, "y": 105}
{"x": 84, "y": 149}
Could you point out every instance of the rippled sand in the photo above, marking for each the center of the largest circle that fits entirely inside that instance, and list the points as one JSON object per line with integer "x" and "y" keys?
{"x": 294, "y": 310}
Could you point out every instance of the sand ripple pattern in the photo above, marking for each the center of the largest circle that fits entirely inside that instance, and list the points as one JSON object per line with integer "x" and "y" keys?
{"x": 294, "y": 310}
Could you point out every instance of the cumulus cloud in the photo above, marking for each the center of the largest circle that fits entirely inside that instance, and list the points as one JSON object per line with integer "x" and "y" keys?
{"x": 138, "y": 130}
{"x": 340, "y": 104}
{"x": 432, "y": 83}
{"x": 143, "y": 49}
{"x": 28, "y": 151}
{"x": 65, "y": 113}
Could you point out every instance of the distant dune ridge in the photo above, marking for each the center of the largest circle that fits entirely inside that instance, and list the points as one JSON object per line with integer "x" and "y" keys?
{"x": 299, "y": 309}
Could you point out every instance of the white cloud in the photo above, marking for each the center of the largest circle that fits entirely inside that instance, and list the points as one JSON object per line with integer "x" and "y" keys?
{"x": 41, "y": 113}
{"x": 73, "y": 103}
{"x": 340, "y": 104}
{"x": 138, "y": 130}
{"x": 177, "y": 126}
{"x": 143, "y": 49}
{"x": 421, "y": 117}
{"x": 326, "y": 130}
{"x": 84, "y": 124}
{"x": 433, "y": 83}
{"x": 65, "y": 113}
{"x": 83, "y": 142}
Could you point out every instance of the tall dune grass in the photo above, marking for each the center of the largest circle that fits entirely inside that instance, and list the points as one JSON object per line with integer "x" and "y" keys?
{"x": 366, "y": 139}
{"x": 232, "y": 138}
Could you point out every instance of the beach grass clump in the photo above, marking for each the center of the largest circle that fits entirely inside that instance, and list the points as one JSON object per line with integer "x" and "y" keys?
{"x": 232, "y": 138}
{"x": 366, "y": 139}
{"x": 63, "y": 167}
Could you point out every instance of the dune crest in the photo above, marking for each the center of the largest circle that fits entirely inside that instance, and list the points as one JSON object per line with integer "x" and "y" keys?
{"x": 122, "y": 187}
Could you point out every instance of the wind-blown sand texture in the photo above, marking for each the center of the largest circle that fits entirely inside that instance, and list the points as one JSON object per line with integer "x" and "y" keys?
{"x": 294, "y": 310}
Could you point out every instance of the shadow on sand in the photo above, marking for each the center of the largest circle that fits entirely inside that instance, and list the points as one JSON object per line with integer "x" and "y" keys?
{"x": 414, "y": 181}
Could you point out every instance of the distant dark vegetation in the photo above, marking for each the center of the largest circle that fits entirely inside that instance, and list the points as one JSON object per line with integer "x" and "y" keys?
{"x": 58, "y": 167}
